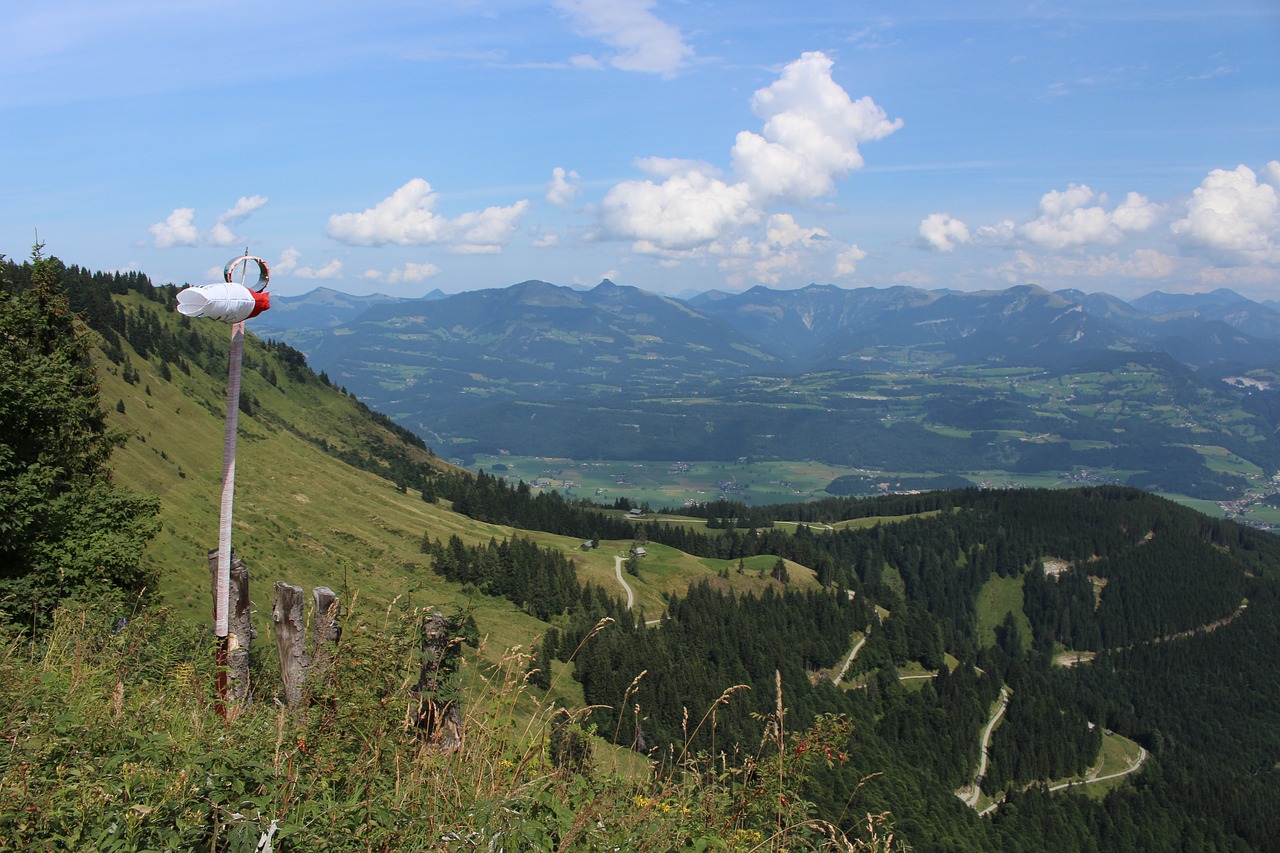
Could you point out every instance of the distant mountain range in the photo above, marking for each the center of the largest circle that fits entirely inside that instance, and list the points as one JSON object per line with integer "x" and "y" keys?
{"x": 464, "y": 369}
{"x": 814, "y": 328}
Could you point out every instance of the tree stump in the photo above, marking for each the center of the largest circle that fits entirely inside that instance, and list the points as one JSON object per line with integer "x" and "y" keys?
{"x": 240, "y": 633}
{"x": 327, "y": 631}
{"x": 438, "y": 716}
{"x": 291, "y": 638}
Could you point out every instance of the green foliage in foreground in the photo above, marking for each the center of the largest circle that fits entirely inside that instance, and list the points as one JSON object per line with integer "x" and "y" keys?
{"x": 65, "y": 529}
{"x": 114, "y": 744}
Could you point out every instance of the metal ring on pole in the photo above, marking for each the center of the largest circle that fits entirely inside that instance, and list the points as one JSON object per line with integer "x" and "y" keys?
{"x": 264, "y": 272}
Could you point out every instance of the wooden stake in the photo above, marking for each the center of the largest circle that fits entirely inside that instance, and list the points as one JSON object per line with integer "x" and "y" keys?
{"x": 291, "y": 641}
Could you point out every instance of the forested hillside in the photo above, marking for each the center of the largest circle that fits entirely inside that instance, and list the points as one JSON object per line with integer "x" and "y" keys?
{"x": 785, "y": 672}
{"x": 1173, "y": 608}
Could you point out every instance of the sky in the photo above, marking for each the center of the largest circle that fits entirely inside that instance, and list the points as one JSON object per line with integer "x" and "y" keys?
{"x": 404, "y": 146}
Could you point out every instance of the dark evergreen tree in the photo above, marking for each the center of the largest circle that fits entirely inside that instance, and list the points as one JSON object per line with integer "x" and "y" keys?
{"x": 65, "y": 529}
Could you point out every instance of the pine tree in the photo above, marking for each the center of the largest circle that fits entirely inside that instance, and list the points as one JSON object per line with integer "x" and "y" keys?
{"x": 65, "y": 529}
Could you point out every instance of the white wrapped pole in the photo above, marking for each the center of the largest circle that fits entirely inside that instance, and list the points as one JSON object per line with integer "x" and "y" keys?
{"x": 222, "y": 586}
{"x": 227, "y": 302}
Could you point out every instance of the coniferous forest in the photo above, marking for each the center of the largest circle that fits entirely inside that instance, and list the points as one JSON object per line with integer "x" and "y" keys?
{"x": 871, "y": 655}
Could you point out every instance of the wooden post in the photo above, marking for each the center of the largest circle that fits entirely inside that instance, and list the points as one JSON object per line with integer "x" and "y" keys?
{"x": 233, "y": 681}
{"x": 291, "y": 639}
{"x": 327, "y": 630}
{"x": 439, "y": 718}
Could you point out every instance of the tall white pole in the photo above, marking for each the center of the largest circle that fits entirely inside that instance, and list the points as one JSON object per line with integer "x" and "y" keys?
{"x": 222, "y": 586}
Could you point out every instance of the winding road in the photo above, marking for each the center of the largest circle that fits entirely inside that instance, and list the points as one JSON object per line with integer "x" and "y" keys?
{"x": 617, "y": 570}
{"x": 857, "y": 647}
{"x": 1134, "y": 767}
{"x": 970, "y": 794}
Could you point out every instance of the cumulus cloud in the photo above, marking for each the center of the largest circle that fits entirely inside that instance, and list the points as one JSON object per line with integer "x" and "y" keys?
{"x": 786, "y": 250}
{"x": 1235, "y": 216}
{"x": 177, "y": 230}
{"x": 848, "y": 260}
{"x": 333, "y": 269}
{"x": 1069, "y": 219}
{"x": 1074, "y": 218}
{"x": 641, "y": 40}
{"x": 783, "y": 230}
{"x": 811, "y": 132}
{"x": 680, "y": 213}
{"x": 288, "y": 260}
{"x": 942, "y": 233}
{"x": 408, "y": 218}
{"x": 487, "y": 231}
{"x": 563, "y": 188}
{"x": 810, "y": 139}
{"x": 221, "y": 234}
{"x": 413, "y": 272}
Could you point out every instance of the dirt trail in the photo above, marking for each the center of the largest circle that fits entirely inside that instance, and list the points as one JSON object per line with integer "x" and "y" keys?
{"x": 617, "y": 570}
{"x": 1134, "y": 766}
{"x": 970, "y": 793}
{"x": 857, "y": 647}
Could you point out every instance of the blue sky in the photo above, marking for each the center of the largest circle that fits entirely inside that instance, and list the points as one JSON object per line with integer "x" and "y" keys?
{"x": 400, "y": 147}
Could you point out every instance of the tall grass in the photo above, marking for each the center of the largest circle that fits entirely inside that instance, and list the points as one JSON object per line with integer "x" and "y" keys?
{"x": 111, "y": 742}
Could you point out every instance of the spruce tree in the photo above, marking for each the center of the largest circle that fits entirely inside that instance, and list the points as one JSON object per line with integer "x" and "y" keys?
{"x": 65, "y": 529}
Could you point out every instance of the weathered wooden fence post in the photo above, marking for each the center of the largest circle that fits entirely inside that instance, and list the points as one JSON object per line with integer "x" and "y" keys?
{"x": 327, "y": 631}
{"x": 240, "y": 633}
{"x": 291, "y": 639}
{"x": 439, "y": 717}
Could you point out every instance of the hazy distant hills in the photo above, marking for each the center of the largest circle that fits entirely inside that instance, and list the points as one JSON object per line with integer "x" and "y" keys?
{"x": 897, "y": 378}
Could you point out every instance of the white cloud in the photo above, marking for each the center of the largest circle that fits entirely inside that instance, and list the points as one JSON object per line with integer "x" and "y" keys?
{"x": 546, "y": 241}
{"x": 1143, "y": 264}
{"x": 787, "y": 250}
{"x": 681, "y": 213}
{"x": 848, "y": 260}
{"x": 487, "y": 231}
{"x": 810, "y": 138}
{"x": 942, "y": 233}
{"x": 811, "y": 133}
{"x": 642, "y": 40}
{"x": 413, "y": 272}
{"x": 288, "y": 260}
{"x": 180, "y": 229}
{"x": 221, "y": 234}
{"x": 333, "y": 269}
{"x": 1003, "y": 233}
{"x": 563, "y": 188}
{"x": 1073, "y": 218}
{"x": 1068, "y": 219}
{"x": 372, "y": 275}
{"x": 1234, "y": 216}
{"x": 407, "y": 218}
{"x": 244, "y": 207}
{"x": 177, "y": 230}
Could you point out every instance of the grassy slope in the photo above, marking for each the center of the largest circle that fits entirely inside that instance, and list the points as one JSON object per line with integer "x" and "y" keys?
{"x": 1000, "y": 596}
{"x": 301, "y": 515}
{"x": 305, "y": 517}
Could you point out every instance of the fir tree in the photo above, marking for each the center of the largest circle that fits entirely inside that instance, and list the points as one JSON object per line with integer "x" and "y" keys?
{"x": 65, "y": 529}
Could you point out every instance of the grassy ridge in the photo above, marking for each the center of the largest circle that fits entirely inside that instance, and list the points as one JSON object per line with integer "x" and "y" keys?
{"x": 301, "y": 515}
